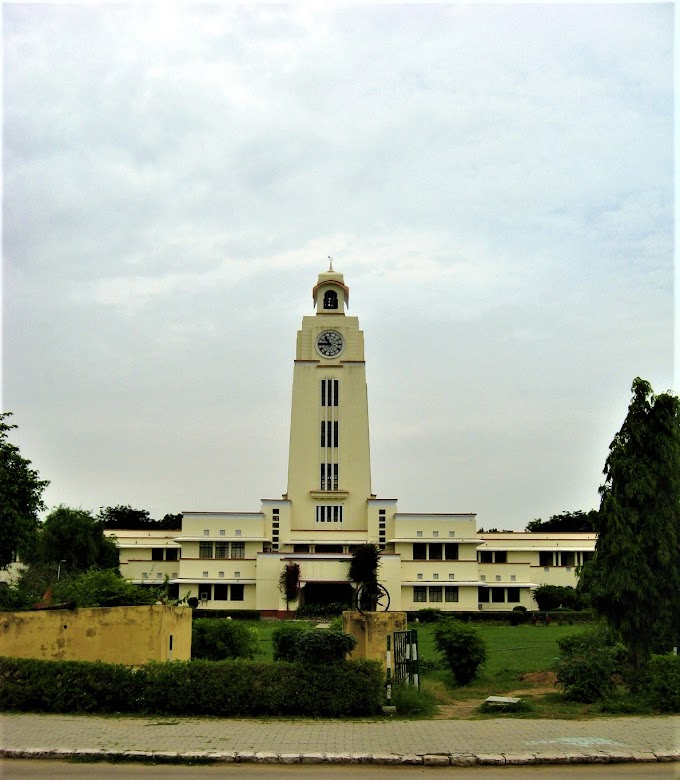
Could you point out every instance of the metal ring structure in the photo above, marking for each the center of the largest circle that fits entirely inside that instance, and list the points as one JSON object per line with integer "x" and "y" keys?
{"x": 372, "y": 597}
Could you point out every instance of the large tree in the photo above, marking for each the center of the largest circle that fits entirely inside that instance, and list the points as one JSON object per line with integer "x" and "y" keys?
{"x": 634, "y": 577}
{"x": 126, "y": 518}
{"x": 76, "y": 538}
{"x": 21, "y": 491}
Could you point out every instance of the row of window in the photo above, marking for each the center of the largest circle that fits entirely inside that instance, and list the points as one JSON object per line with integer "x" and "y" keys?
{"x": 232, "y": 592}
{"x": 206, "y": 532}
{"x": 222, "y": 550}
{"x": 171, "y": 553}
{"x": 329, "y": 476}
{"x": 560, "y": 558}
{"x": 423, "y": 593}
{"x": 330, "y": 392}
{"x": 329, "y": 514}
{"x": 435, "y": 551}
{"x": 329, "y": 433}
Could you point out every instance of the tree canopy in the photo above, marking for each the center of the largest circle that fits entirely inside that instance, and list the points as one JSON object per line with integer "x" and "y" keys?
{"x": 126, "y": 518}
{"x": 568, "y": 522}
{"x": 21, "y": 491}
{"x": 77, "y": 538}
{"x": 634, "y": 577}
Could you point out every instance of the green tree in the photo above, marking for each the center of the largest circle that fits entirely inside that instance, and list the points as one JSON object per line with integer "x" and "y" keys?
{"x": 122, "y": 517}
{"x": 566, "y": 522}
{"x": 363, "y": 568}
{"x": 76, "y": 538}
{"x": 634, "y": 577}
{"x": 21, "y": 491}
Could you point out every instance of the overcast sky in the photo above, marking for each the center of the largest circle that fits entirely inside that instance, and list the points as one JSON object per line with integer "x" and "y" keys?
{"x": 495, "y": 183}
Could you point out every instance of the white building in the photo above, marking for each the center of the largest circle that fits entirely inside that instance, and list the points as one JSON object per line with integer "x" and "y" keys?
{"x": 233, "y": 560}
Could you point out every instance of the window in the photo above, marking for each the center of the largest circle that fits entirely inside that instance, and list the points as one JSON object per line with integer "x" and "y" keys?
{"x": 206, "y": 592}
{"x": 205, "y": 574}
{"x": 435, "y": 534}
{"x": 450, "y": 593}
{"x": 452, "y": 576}
{"x": 482, "y": 577}
{"x": 419, "y": 593}
{"x": 451, "y": 551}
{"x": 545, "y": 558}
{"x": 238, "y": 549}
{"x": 222, "y": 532}
{"x": 159, "y": 575}
{"x": 483, "y": 595}
{"x": 329, "y": 433}
{"x": 237, "y": 575}
{"x": 485, "y": 556}
{"x": 301, "y": 548}
{"x": 568, "y": 559}
{"x": 501, "y": 556}
{"x": 329, "y": 476}
{"x": 513, "y": 578}
{"x": 330, "y": 299}
{"x": 436, "y": 593}
{"x": 145, "y": 575}
{"x": 237, "y": 592}
{"x": 498, "y": 578}
{"x": 172, "y": 554}
{"x": 330, "y": 394}
{"x": 513, "y": 595}
{"x": 157, "y": 554}
{"x": 206, "y": 532}
{"x": 435, "y": 551}
{"x": 587, "y": 556}
{"x": 220, "y": 574}
{"x": 435, "y": 576}
{"x": 237, "y": 533}
{"x": 205, "y": 550}
{"x": 419, "y": 551}
{"x": 498, "y": 595}
{"x": 329, "y": 514}
{"x": 221, "y": 549}
{"x": 419, "y": 534}
{"x": 221, "y": 592}
{"x": 419, "y": 576}
{"x": 452, "y": 533}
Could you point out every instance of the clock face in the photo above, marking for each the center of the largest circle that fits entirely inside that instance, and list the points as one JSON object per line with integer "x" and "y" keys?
{"x": 329, "y": 343}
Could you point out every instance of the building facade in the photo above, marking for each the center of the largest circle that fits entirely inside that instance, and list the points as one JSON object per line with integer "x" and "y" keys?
{"x": 234, "y": 560}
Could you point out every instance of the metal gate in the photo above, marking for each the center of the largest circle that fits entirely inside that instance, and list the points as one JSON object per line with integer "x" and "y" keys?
{"x": 406, "y": 669}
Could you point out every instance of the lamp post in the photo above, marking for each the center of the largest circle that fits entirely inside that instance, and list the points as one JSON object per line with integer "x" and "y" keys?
{"x": 59, "y": 568}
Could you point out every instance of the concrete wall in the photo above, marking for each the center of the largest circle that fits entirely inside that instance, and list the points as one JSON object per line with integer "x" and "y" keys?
{"x": 124, "y": 635}
{"x": 371, "y": 630}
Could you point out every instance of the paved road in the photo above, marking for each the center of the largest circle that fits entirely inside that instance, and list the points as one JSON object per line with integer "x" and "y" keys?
{"x": 497, "y": 741}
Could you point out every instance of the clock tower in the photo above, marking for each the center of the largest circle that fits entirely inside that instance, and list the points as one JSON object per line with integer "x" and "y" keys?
{"x": 329, "y": 474}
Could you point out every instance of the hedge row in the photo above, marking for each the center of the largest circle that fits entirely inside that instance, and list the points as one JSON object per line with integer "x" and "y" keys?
{"x": 235, "y": 614}
{"x": 222, "y": 688}
{"x": 482, "y": 616}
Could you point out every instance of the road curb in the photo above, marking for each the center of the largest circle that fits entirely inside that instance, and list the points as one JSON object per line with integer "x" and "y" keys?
{"x": 423, "y": 759}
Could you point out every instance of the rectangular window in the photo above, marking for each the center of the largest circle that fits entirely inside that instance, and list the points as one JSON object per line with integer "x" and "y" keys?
{"x": 513, "y": 595}
{"x": 452, "y": 576}
{"x": 206, "y": 532}
{"x": 545, "y": 558}
{"x": 498, "y": 595}
{"x": 501, "y": 556}
{"x": 205, "y": 550}
{"x": 498, "y": 578}
{"x": 435, "y": 576}
{"x": 238, "y": 549}
{"x": 329, "y": 433}
{"x": 419, "y": 551}
{"x": 450, "y": 593}
{"x": 436, "y": 593}
{"x": 206, "y": 592}
{"x": 172, "y": 554}
{"x": 330, "y": 394}
{"x": 485, "y": 556}
{"x": 483, "y": 595}
{"x": 221, "y": 549}
{"x": 329, "y": 476}
{"x": 157, "y": 554}
{"x": 222, "y": 532}
{"x": 419, "y": 593}
{"x": 568, "y": 559}
{"x": 587, "y": 556}
{"x": 221, "y": 592}
{"x": 236, "y": 592}
{"x": 329, "y": 514}
{"x": 451, "y": 551}
{"x": 301, "y": 548}
{"x": 435, "y": 551}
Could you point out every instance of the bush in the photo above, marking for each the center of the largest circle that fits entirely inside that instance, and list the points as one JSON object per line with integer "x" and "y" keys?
{"x": 587, "y": 664}
{"x": 102, "y": 588}
{"x": 190, "y": 688}
{"x": 550, "y": 597}
{"x": 518, "y": 616}
{"x": 322, "y": 611}
{"x": 215, "y": 640}
{"x": 298, "y": 642}
{"x": 462, "y": 647}
{"x": 283, "y": 639}
{"x": 428, "y": 615}
{"x": 664, "y": 681}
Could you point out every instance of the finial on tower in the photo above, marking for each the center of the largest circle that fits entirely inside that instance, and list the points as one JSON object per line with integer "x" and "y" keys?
{"x": 330, "y": 264}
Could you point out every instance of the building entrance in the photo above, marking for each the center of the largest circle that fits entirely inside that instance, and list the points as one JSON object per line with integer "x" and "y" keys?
{"x": 322, "y": 593}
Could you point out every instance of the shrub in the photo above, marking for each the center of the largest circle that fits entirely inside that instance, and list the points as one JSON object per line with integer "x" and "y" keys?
{"x": 518, "y": 616}
{"x": 587, "y": 664}
{"x": 462, "y": 647}
{"x": 322, "y": 646}
{"x": 549, "y": 597}
{"x": 322, "y": 611}
{"x": 428, "y": 615}
{"x": 283, "y": 639}
{"x": 102, "y": 588}
{"x": 664, "y": 681}
{"x": 224, "y": 688}
{"x": 215, "y": 640}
